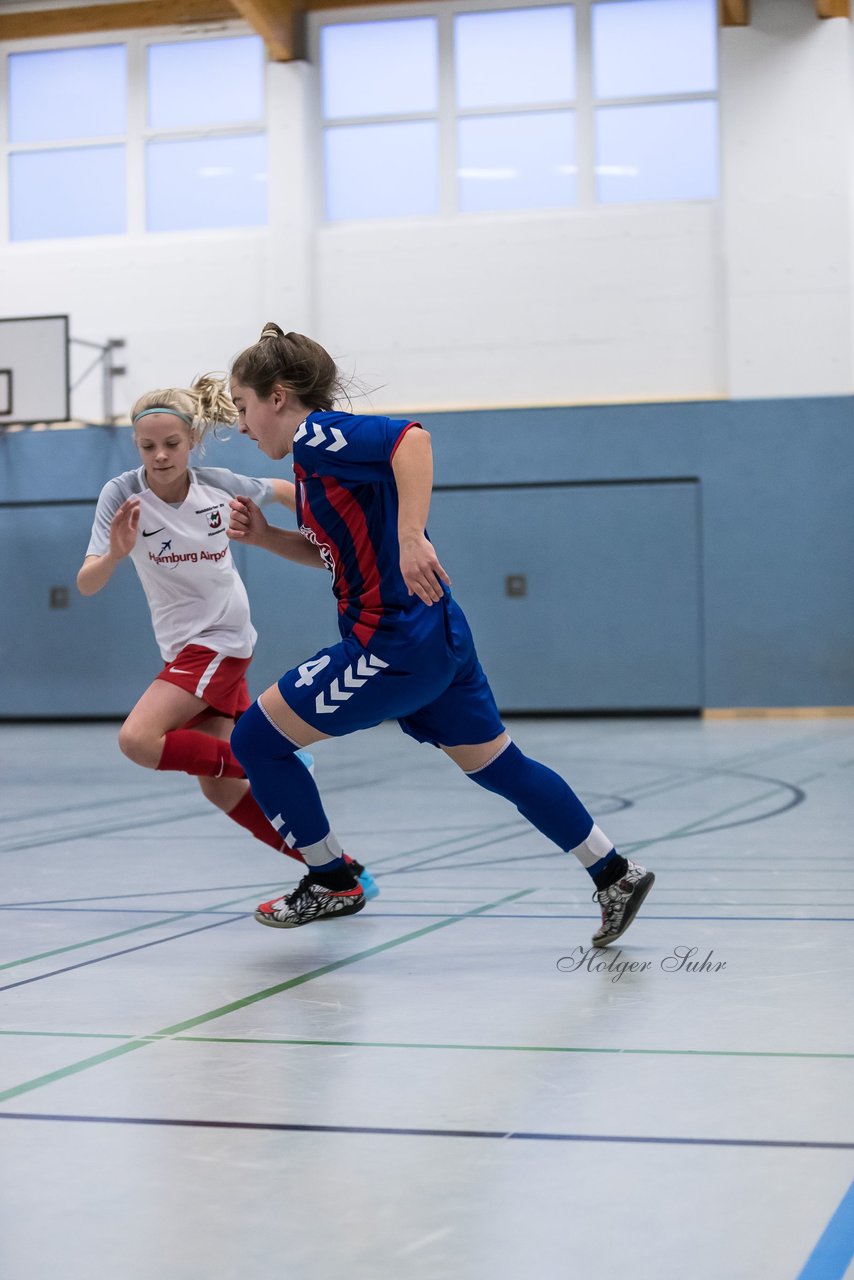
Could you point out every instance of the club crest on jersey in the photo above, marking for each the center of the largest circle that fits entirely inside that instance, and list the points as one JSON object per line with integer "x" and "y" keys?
{"x": 214, "y": 519}
{"x": 325, "y": 550}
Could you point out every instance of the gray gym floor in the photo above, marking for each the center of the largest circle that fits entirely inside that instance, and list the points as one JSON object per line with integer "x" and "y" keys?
{"x": 433, "y": 1088}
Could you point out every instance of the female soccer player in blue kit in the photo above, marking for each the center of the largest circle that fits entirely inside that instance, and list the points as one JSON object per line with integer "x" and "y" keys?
{"x": 363, "y": 486}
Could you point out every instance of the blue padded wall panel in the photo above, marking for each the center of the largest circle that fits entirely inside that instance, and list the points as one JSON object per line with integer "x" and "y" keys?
{"x": 93, "y": 658}
{"x": 611, "y": 618}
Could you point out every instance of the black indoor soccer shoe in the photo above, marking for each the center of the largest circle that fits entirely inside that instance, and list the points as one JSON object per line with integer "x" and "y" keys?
{"x": 620, "y": 903}
{"x": 308, "y": 902}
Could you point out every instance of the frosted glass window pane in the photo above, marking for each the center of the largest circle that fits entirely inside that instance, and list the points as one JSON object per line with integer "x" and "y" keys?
{"x": 517, "y": 162}
{"x": 379, "y": 68}
{"x": 206, "y": 182}
{"x": 80, "y": 191}
{"x": 654, "y": 47}
{"x": 382, "y": 170}
{"x": 659, "y": 152}
{"x": 63, "y": 94}
{"x": 515, "y": 57}
{"x": 194, "y": 83}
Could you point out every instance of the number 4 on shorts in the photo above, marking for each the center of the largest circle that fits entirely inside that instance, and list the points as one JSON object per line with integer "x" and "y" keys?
{"x": 308, "y": 670}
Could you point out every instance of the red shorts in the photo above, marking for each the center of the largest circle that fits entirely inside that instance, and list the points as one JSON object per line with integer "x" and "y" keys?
{"x": 218, "y": 680}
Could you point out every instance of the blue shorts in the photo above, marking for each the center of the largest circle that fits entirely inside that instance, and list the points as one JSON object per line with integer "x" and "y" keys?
{"x": 435, "y": 689}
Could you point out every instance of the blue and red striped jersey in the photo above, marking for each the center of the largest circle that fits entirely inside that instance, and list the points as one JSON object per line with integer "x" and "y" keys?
{"x": 347, "y": 506}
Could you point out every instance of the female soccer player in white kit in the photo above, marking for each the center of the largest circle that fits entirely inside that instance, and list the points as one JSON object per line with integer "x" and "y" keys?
{"x": 171, "y": 520}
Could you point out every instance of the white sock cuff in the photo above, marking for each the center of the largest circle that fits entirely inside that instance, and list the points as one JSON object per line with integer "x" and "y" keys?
{"x": 593, "y": 848}
{"x": 322, "y": 851}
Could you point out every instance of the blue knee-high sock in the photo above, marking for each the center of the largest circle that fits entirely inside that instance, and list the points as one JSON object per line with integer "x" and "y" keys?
{"x": 285, "y": 789}
{"x": 550, "y": 805}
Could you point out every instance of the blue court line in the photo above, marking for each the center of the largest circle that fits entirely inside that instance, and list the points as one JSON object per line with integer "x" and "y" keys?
{"x": 419, "y": 915}
{"x": 528, "y": 915}
{"x": 643, "y": 915}
{"x": 393, "y": 1131}
{"x": 140, "y": 893}
{"x": 114, "y": 911}
{"x": 590, "y": 915}
{"x": 832, "y": 1255}
{"x": 449, "y": 888}
{"x": 142, "y": 946}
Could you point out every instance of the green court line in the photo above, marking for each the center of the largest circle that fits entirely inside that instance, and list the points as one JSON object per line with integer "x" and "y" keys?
{"x": 516, "y": 1048}
{"x": 141, "y": 1041}
{"x": 123, "y": 933}
{"x": 416, "y": 1044}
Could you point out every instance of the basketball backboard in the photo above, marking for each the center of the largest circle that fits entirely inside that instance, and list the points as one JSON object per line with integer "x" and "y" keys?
{"x": 34, "y": 377}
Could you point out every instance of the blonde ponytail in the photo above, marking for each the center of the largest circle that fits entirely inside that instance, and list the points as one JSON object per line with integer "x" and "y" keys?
{"x": 203, "y": 407}
{"x": 214, "y": 406}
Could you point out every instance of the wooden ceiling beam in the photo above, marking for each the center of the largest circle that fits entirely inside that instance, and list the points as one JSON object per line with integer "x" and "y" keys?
{"x": 344, "y": 4}
{"x": 833, "y": 8}
{"x": 281, "y": 23}
{"x": 734, "y": 13}
{"x": 34, "y": 23}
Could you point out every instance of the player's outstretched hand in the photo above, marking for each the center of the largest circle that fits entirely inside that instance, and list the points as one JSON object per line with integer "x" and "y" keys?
{"x": 124, "y": 528}
{"x": 421, "y": 570}
{"x": 247, "y": 523}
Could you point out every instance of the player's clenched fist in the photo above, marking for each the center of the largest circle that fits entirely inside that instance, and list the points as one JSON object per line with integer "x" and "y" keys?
{"x": 246, "y": 522}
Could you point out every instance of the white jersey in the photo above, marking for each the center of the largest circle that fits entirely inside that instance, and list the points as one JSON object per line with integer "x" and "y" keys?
{"x": 183, "y": 558}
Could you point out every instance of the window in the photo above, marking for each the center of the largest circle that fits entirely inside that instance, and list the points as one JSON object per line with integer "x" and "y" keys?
{"x": 76, "y": 191}
{"x": 382, "y": 170}
{"x": 652, "y": 47}
{"x": 663, "y": 152}
{"x": 514, "y": 57}
{"x": 380, "y": 80}
{"x": 380, "y": 68}
{"x": 468, "y": 110}
{"x": 505, "y": 60}
{"x": 198, "y": 84}
{"x": 658, "y": 140}
{"x": 77, "y": 188}
{"x": 205, "y": 154}
{"x": 516, "y": 161}
{"x": 76, "y": 131}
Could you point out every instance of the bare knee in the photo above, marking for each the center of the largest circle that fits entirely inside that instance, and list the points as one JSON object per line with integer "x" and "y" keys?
{"x": 225, "y": 793}
{"x": 142, "y": 748}
{"x": 472, "y": 758}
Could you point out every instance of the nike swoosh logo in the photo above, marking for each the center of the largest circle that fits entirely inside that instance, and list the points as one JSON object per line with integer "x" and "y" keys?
{"x": 153, "y": 531}
{"x": 179, "y": 671}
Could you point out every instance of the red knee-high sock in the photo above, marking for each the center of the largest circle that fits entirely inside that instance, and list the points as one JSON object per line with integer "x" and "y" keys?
{"x": 201, "y": 754}
{"x": 249, "y": 814}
